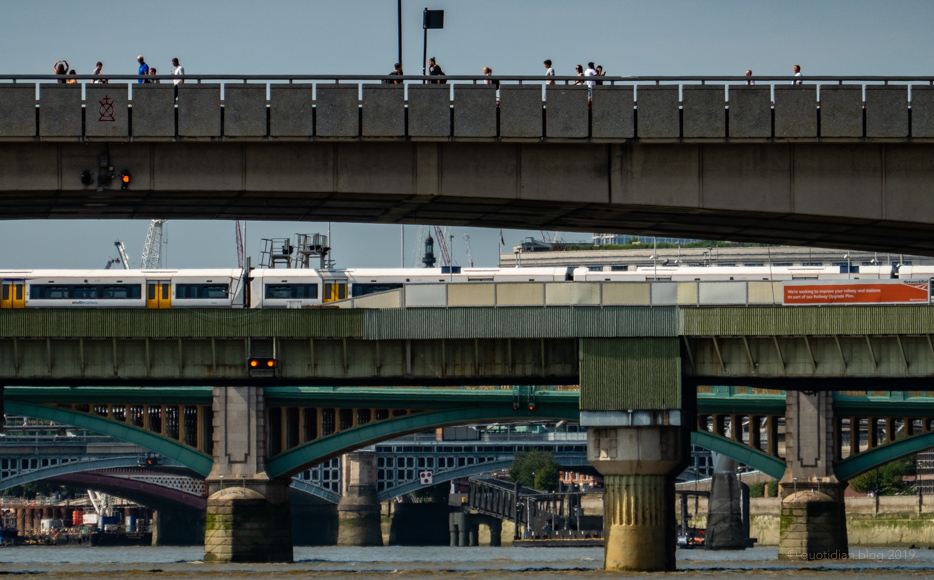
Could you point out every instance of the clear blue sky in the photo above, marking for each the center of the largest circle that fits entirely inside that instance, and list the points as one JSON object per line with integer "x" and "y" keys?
{"x": 629, "y": 37}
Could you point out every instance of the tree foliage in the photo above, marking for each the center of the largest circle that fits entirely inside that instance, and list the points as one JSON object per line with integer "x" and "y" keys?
{"x": 886, "y": 479}
{"x": 535, "y": 469}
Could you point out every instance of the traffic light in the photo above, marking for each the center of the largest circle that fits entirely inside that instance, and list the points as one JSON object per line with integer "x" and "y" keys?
{"x": 262, "y": 363}
{"x": 125, "y": 180}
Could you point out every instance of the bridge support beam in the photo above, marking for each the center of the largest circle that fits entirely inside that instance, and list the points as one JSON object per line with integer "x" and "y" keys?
{"x": 249, "y": 516}
{"x": 358, "y": 512}
{"x": 725, "y": 508}
{"x": 813, "y": 520}
{"x": 631, "y": 404}
{"x": 638, "y": 466}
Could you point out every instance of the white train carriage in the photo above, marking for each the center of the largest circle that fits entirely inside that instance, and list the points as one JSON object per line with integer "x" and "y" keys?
{"x": 120, "y": 289}
{"x": 738, "y": 273}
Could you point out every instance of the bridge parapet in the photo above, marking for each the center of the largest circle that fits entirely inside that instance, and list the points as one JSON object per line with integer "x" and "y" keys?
{"x": 340, "y": 107}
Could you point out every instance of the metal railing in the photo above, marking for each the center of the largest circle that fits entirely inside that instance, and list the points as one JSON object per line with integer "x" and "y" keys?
{"x": 479, "y": 79}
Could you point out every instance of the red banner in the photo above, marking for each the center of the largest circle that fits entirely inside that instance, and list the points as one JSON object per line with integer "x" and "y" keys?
{"x": 876, "y": 292}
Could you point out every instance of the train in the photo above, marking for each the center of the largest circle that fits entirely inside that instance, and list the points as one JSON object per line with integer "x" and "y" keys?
{"x": 299, "y": 288}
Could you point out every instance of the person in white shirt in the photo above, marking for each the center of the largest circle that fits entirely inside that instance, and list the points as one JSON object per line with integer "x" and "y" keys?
{"x": 549, "y": 72}
{"x": 177, "y": 72}
{"x": 590, "y": 72}
{"x": 797, "y": 74}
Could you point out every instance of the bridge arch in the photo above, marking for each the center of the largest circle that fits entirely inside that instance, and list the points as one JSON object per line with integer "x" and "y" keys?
{"x": 851, "y": 467}
{"x": 756, "y": 459}
{"x": 195, "y": 460}
{"x": 304, "y": 456}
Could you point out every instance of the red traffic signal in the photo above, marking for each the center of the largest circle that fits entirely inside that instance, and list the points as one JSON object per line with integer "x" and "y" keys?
{"x": 262, "y": 363}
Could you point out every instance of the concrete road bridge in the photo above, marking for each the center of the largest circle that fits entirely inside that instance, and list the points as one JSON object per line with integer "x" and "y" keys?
{"x": 833, "y": 162}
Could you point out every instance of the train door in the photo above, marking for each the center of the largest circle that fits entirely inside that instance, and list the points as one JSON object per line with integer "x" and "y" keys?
{"x": 334, "y": 291}
{"x": 158, "y": 294}
{"x": 13, "y": 294}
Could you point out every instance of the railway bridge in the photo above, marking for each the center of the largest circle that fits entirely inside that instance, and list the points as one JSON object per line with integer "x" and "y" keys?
{"x": 638, "y": 371}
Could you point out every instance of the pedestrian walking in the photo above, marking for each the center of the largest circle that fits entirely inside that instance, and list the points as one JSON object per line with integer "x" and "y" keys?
{"x": 749, "y": 74}
{"x": 152, "y": 72}
{"x": 600, "y": 73}
{"x": 435, "y": 70}
{"x": 61, "y": 69}
{"x": 177, "y": 71}
{"x": 143, "y": 68}
{"x": 580, "y": 73}
{"x": 549, "y": 72}
{"x": 487, "y": 71}
{"x": 72, "y": 81}
{"x": 797, "y": 74}
{"x": 397, "y": 71}
{"x": 590, "y": 72}
{"x": 98, "y": 71}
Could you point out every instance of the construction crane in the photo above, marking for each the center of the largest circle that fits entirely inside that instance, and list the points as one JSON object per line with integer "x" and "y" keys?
{"x": 441, "y": 240}
{"x": 121, "y": 251}
{"x": 152, "y": 249}
{"x": 239, "y": 241}
{"x": 469, "y": 253}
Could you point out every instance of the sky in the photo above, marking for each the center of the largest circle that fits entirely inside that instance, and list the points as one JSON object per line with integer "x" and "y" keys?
{"x": 628, "y": 37}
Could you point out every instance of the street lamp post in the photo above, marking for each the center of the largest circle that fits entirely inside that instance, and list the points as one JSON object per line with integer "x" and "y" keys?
{"x": 430, "y": 19}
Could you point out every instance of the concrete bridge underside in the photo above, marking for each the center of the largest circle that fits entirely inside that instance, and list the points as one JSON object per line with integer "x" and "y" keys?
{"x": 847, "y": 195}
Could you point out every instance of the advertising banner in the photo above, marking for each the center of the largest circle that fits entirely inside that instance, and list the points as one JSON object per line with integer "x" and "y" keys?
{"x": 845, "y": 292}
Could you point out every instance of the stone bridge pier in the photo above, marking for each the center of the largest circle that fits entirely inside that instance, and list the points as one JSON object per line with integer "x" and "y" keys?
{"x": 358, "y": 512}
{"x": 813, "y": 521}
{"x": 248, "y": 514}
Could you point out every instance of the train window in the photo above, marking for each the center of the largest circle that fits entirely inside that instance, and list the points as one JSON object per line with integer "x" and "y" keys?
{"x": 594, "y": 268}
{"x": 120, "y": 291}
{"x": 84, "y": 291}
{"x": 5, "y": 292}
{"x": 291, "y": 291}
{"x": 619, "y": 268}
{"x": 341, "y": 291}
{"x": 364, "y": 289}
{"x": 201, "y": 291}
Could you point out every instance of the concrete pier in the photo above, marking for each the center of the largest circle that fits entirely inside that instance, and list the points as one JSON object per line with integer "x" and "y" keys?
{"x": 177, "y": 527}
{"x": 638, "y": 464}
{"x": 248, "y": 514}
{"x": 358, "y": 512}
{"x": 725, "y": 508}
{"x": 813, "y": 517}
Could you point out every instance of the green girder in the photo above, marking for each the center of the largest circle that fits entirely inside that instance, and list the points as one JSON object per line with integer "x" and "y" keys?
{"x": 197, "y": 461}
{"x": 302, "y": 457}
{"x": 850, "y": 467}
{"x": 755, "y": 459}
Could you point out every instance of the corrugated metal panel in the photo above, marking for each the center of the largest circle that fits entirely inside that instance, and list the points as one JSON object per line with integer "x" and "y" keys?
{"x": 181, "y": 323}
{"x": 630, "y": 374}
{"x": 519, "y": 322}
{"x": 798, "y": 320}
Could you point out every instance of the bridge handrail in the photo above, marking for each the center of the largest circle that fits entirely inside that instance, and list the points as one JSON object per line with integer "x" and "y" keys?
{"x": 521, "y": 79}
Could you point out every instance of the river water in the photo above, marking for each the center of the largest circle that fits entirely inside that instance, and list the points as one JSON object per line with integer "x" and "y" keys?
{"x": 444, "y": 562}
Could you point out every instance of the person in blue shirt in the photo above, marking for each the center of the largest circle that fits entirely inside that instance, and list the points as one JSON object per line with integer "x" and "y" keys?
{"x": 143, "y": 68}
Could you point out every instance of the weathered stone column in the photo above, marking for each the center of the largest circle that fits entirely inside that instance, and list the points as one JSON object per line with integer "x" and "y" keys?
{"x": 813, "y": 520}
{"x": 358, "y": 512}
{"x": 631, "y": 403}
{"x": 724, "y": 508}
{"x": 21, "y": 522}
{"x": 638, "y": 464}
{"x": 248, "y": 515}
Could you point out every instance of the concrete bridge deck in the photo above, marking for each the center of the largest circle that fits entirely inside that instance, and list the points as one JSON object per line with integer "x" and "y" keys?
{"x": 820, "y": 164}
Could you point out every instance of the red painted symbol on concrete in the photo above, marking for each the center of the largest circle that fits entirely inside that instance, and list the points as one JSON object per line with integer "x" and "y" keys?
{"x": 107, "y": 110}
